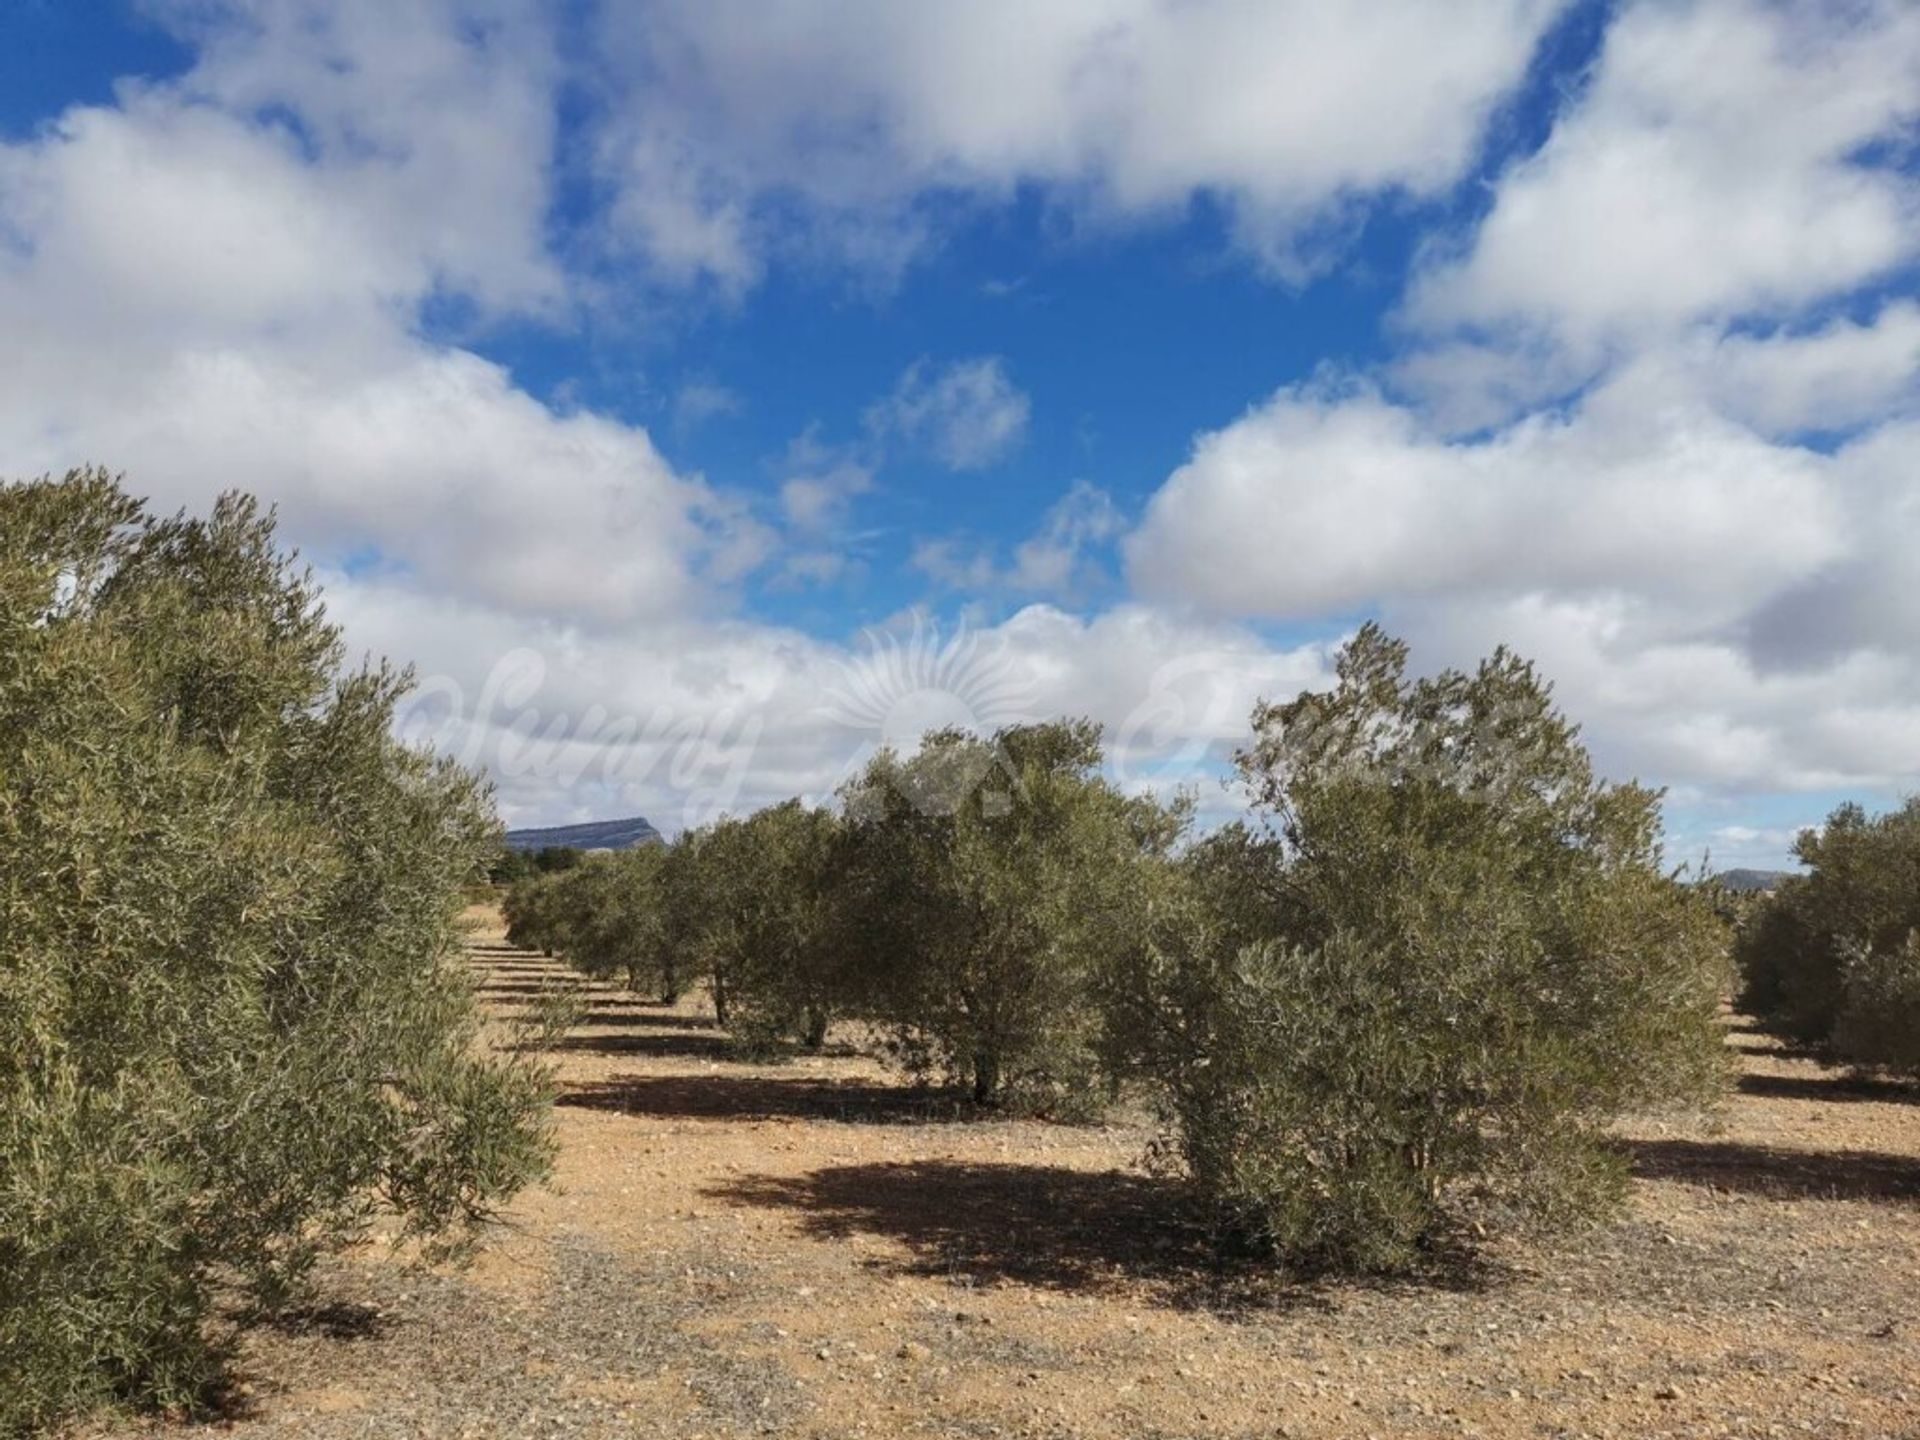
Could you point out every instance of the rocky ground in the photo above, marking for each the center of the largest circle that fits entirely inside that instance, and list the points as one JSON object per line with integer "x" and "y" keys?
{"x": 808, "y": 1249}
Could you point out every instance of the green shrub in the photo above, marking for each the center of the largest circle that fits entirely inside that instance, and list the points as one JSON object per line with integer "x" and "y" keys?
{"x": 1829, "y": 958}
{"x": 763, "y": 910}
{"x": 555, "y": 913}
{"x": 233, "y": 1028}
{"x": 530, "y": 908}
{"x": 985, "y": 883}
{"x": 619, "y": 926}
{"x": 1879, "y": 1022}
{"x": 1419, "y": 999}
{"x": 1790, "y": 968}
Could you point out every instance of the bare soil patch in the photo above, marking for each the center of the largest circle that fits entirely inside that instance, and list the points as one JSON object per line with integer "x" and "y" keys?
{"x": 814, "y": 1249}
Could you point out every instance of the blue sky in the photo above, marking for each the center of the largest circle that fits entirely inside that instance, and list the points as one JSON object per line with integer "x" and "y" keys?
{"x": 714, "y": 390}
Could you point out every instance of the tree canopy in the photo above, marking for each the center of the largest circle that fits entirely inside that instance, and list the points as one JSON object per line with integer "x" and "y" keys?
{"x": 1447, "y": 959}
{"x": 228, "y": 1034}
{"x": 1833, "y": 956}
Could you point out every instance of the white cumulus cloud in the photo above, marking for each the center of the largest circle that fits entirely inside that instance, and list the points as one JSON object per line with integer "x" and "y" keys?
{"x": 1719, "y": 607}
{"x": 967, "y": 414}
{"x": 864, "y": 119}
{"x": 1330, "y": 501}
{"x": 217, "y": 284}
{"x": 1720, "y": 163}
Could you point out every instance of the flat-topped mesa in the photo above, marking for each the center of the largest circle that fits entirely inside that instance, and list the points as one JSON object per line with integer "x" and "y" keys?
{"x": 591, "y": 835}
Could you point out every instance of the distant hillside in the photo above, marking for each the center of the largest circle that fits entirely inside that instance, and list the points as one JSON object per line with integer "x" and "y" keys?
{"x": 1752, "y": 879}
{"x": 594, "y": 835}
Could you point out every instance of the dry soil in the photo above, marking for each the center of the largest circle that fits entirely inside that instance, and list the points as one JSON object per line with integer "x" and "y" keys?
{"x": 811, "y": 1249}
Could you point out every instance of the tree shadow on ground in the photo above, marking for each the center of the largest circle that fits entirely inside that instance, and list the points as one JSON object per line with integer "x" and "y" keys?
{"x": 1841, "y": 1088}
{"x": 335, "y": 1319}
{"x": 503, "y": 989}
{"x": 708, "y": 1046}
{"x": 1776, "y": 1047}
{"x": 606, "y": 1004}
{"x": 1049, "y": 1227}
{"x": 1756, "y": 1037}
{"x": 610, "y": 1012}
{"x": 1778, "y": 1174}
{"x": 754, "y": 1097}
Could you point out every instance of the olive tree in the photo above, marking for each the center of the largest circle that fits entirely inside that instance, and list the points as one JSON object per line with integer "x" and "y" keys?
{"x": 750, "y": 905}
{"x": 233, "y": 1028}
{"x": 532, "y": 910}
{"x": 1833, "y": 956}
{"x": 984, "y": 881}
{"x": 711, "y": 899}
{"x": 1449, "y": 957}
{"x": 614, "y": 920}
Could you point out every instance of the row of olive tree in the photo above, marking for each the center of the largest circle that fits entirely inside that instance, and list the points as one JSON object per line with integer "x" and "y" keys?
{"x": 1003, "y": 867}
{"x": 229, "y": 1034}
{"x": 1833, "y": 956}
{"x": 1414, "y": 992}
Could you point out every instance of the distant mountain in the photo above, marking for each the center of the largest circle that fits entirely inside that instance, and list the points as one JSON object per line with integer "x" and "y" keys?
{"x": 1744, "y": 880}
{"x": 594, "y": 835}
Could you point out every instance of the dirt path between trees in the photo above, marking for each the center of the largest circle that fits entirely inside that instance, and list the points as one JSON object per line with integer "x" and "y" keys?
{"x": 811, "y": 1250}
